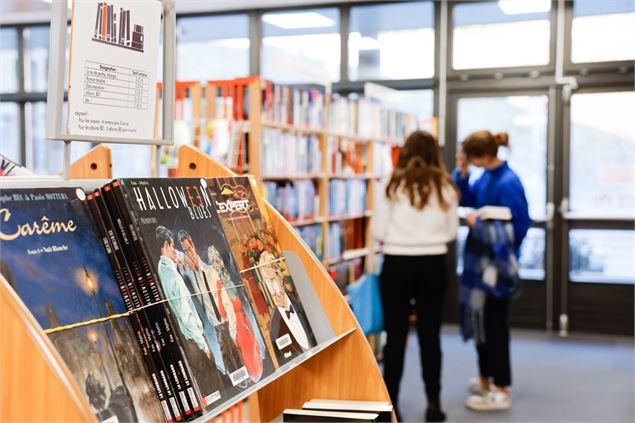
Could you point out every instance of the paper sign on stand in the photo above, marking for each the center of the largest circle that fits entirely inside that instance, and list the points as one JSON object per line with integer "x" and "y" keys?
{"x": 113, "y": 68}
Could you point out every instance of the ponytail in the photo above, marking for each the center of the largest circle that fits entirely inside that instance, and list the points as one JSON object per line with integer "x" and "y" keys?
{"x": 502, "y": 139}
{"x": 484, "y": 143}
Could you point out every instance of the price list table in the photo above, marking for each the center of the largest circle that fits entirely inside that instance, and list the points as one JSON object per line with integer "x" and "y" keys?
{"x": 110, "y": 85}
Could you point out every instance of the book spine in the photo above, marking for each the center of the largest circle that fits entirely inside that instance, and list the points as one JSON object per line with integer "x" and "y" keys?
{"x": 117, "y": 261}
{"x": 152, "y": 293}
{"x": 157, "y": 315}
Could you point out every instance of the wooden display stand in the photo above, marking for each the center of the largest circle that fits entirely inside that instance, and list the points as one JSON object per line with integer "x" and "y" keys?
{"x": 347, "y": 370}
{"x": 35, "y": 384}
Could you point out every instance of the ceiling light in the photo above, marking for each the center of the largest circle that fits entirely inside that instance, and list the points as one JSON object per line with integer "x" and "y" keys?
{"x": 298, "y": 20}
{"x": 520, "y": 7}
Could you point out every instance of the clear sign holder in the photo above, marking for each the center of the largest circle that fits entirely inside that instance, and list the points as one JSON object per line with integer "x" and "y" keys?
{"x": 55, "y": 95}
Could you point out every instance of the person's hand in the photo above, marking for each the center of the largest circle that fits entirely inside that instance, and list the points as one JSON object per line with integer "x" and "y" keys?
{"x": 208, "y": 353}
{"x": 461, "y": 164}
{"x": 471, "y": 219}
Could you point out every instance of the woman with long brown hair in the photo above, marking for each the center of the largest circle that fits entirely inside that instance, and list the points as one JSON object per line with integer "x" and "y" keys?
{"x": 415, "y": 218}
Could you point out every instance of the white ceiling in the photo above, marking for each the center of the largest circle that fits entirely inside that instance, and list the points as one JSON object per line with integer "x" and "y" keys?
{"x": 32, "y": 11}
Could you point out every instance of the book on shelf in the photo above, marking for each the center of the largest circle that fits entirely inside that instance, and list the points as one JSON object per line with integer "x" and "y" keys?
{"x": 346, "y": 273}
{"x": 313, "y": 237}
{"x": 255, "y": 248}
{"x": 181, "y": 239}
{"x": 297, "y": 415}
{"x": 383, "y": 164}
{"x": 297, "y": 200}
{"x": 165, "y": 297}
{"x": 344, "y": 236}
{"x": 10, "y": 168}
{"x": 365, "y": 118}
{"x": 347, "y": 197}
{"x": 382, "y": 408}
{"x": 299, "y": 106}
{"x": 286, "y": 153}
{"x": 52, "y": 256}
{"x": 345, "y": 157}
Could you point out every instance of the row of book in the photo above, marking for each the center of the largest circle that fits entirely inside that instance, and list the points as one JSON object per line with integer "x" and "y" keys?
{"x": 293, "y": 105}
{"x": 284, "y": 153}
{"x": 345, "y": 236}
{"x": 345, "y": 157}
{"x": 368, "y": 119}
{"x": 347, "y": 197}
{"x": 166, "y": 297}
{"x": 296, "y": 200}
{"x": 314, "y": 238}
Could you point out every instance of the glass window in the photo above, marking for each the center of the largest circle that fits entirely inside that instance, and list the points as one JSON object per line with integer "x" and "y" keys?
{"x": 382, "y": 39}
{"x": 301, "y": 46}
{"x": 532, "y": 253}
{"x": 602, "y": 172}
{"x": 203, "y": 40}
{"x": 130, "y": 161}
{"x": 515, "y": 33}
{"x": 603, "y": 30}
{"x": 10, "y": 131}
{"x": 36, "y": 55}
{"x": 8, "y": 60}
{"x": 524, "y": 118}
{"x": 46, "y": 157}
{"x": 417, "y": 102}
{"x": 602, "y": 256}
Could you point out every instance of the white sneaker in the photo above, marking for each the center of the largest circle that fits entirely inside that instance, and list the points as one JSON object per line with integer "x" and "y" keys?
{"x": 493, "y": 401}
{"x": 476, "y": 387}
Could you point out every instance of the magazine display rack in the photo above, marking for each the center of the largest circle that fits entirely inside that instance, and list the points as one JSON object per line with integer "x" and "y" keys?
{"x": 342, "y": 368}
{"x": 347, "y": 369}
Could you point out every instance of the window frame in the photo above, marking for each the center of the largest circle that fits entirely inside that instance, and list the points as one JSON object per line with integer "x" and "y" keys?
{"x": 502, "y": 72}
{"x": 614, "y": 66}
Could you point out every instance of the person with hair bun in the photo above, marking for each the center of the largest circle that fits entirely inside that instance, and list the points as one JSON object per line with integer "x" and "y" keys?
{"x": 415, "y": 218}
{"x": 498, "y": 186}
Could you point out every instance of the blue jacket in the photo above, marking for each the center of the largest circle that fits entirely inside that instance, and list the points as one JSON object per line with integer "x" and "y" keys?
{"x": 498, "y": 187}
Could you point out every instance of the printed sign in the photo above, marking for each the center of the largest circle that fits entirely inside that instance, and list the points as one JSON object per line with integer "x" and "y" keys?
{"x": 113, "y": 68}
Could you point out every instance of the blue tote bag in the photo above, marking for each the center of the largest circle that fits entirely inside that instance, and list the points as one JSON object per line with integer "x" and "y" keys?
{"x": 366, "y": 303}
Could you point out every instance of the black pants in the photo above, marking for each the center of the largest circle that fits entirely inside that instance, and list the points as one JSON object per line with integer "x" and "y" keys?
{"x": 493, "y": 356}
{"x": 423, "y": 278}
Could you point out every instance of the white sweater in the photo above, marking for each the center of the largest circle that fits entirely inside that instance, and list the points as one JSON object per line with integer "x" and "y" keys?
{"x": 404, "y": 230}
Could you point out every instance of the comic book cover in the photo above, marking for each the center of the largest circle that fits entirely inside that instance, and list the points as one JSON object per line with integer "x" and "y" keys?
{"x": 52, "y": 256}
{"x": 271, "y": 289}
{"x": 186, "y": 249}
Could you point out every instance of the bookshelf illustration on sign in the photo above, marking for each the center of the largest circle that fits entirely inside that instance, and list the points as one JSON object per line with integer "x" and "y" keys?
{"x": 106, "y": 28}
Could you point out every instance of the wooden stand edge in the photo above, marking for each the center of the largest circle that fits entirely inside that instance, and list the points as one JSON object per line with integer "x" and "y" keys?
{"x": 347, "y": 370}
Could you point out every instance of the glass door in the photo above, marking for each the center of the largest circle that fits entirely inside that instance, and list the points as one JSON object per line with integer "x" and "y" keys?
{"x": 524, "y": 116}
{"x": 598, "y": 208}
